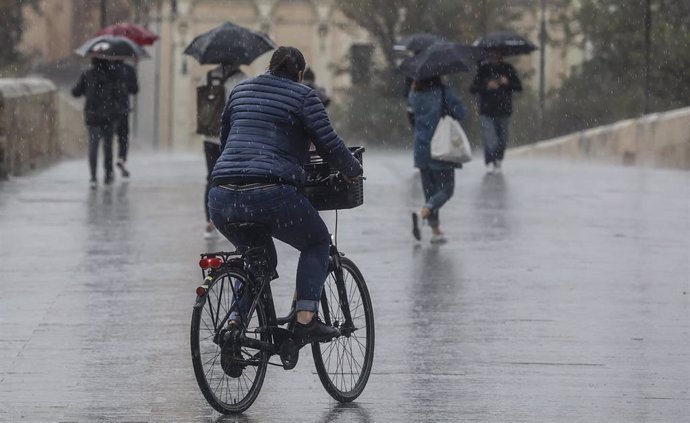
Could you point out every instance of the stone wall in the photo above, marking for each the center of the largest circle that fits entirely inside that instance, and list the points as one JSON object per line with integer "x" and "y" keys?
{"x": 28, "y": 129}
{"x": 660, "y": 140}
{"x": 37, "y": 126}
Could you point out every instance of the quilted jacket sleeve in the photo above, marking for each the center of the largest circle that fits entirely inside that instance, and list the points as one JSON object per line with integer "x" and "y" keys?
{"x": 225, "y": 123}
{"x": 328, "y": 144}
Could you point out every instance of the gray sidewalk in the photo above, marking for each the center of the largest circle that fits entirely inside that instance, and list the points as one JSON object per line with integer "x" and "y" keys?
{"x": 563, "y": 295}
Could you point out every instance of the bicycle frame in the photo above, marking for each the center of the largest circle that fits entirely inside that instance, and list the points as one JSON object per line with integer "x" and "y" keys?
{"x": 254, "y": 263}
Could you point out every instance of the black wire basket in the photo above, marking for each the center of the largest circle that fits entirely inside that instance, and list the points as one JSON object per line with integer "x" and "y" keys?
{"x": 326, "y": 190}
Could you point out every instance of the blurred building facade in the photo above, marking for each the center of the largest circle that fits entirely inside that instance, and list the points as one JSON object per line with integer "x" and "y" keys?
{"x": 166, "y": 106}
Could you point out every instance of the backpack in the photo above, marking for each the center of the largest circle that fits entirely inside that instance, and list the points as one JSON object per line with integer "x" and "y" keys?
{"x": 210, "y": 101}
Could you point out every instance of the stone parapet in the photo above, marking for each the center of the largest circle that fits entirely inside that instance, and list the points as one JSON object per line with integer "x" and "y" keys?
{"x": 28, "y": 125}
{"x": 659, "y": 140}
{"x": 37, "y": 125}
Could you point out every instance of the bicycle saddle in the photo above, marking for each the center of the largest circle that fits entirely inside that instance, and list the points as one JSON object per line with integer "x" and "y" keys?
{"x": 248, "y": 234}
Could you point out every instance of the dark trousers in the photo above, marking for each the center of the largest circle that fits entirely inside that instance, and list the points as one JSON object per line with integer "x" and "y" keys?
{"x": 438, "y": 186}
{"x": 494, "y": 136}
{"x": 291, "y": 218}
{"x": 212, "y": 152}
{"x": 96, "y": 134}
{"x": 122, "y": 130}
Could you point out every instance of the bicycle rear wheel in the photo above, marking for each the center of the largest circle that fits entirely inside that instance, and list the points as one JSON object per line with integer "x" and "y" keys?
{"x": 345, "y": 363}
{"x": 230, "y": 382}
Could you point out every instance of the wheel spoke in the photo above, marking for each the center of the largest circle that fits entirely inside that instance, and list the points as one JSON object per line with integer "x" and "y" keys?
{"x": 221, "y": 390}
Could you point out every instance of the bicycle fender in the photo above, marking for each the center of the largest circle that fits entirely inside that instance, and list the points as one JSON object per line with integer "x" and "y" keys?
{"x": 200, "y": 301}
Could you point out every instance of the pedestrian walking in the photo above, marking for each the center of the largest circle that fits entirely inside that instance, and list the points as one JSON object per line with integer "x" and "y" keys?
{"x": 430, "y": 100}
{"x": 101, "y": 85}
{"x": 130, "y": 87}
{"x": 494, "y": 84}
{"x": 310, "y": 81}
{"x": 211, "y": 97}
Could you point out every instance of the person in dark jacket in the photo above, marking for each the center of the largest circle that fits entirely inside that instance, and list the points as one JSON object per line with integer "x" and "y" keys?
{"x": 101, "y": 85}
{"x": 131, "y": 87}
{"x": 428, "y": 99}
{"x": 310, "y": 81}
{"x": 266, "y": 129}
{"x": 495, "y": 83}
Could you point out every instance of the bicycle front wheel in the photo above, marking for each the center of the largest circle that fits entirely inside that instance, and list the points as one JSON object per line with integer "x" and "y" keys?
{"x": 230, "y": 377}
{"x": 345, "y": 363}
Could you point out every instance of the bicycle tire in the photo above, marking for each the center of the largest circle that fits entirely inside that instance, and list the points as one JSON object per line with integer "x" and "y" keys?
{"x": 333, "y": 379}
{"x": 205, "y": 351}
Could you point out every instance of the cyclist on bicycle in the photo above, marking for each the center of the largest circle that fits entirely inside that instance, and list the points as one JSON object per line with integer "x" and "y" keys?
{"x": 266, "y": 129}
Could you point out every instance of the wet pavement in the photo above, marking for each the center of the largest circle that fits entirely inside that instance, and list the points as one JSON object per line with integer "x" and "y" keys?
{"x": 562, "y": 295}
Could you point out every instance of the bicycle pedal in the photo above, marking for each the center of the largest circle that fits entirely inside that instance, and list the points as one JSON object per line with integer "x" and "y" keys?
{"x": 289, "y": 354}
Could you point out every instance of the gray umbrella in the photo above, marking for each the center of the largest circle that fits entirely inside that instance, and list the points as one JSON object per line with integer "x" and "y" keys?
{"x": 416, "y": 43}
{"x": 229, "y": 44}
{"x": 440, "y": 58}
{"x": 112, "y": 47}
{"x": 508, "y": 43}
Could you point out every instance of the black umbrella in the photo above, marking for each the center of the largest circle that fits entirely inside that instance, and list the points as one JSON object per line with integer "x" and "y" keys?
{"x": 111, "y": 47}
{"x": 440, "y": 58}
{"x": 508, "y": 43}
{"x": 229, "y": 44}
{"x": 416, "y": 43}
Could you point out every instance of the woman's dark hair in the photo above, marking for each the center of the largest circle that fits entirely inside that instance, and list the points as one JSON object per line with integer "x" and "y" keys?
{"x": 427, "y": 84}
{"x": 287, "y": 62}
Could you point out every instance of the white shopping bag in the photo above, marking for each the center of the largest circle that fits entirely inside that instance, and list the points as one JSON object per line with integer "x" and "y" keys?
{"x": 450, "y": 143}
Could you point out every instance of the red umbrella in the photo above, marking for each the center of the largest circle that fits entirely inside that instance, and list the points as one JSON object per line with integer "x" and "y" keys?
{"x": 136, "y": 33}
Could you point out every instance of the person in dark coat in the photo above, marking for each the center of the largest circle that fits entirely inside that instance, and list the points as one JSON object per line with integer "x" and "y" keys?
{"x": 310, "y": 81}
{"x": 428, "y": 99}
{"x": 266, "y": 129}
{"x": 495, "y": 83}
{"x": 101, "y": 85}
{"x": 131, "y": 87}
{"x": 228, "y": 76}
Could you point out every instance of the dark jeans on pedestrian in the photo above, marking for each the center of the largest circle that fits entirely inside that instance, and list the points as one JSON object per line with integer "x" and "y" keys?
{"x": 212, "y": 152}
{"x": 96, "y": 134}
{"x": 438, "y": 187}
{"x": 494, "y": 136}
{"x": 122, "y": 130}
{"x": 291, "y": 218}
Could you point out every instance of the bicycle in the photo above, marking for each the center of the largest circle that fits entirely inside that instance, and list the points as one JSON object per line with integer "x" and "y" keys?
{"x": 230, "y": 360}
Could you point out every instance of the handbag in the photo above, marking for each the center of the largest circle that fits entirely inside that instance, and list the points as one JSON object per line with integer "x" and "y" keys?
{"x": 449, "y": 142}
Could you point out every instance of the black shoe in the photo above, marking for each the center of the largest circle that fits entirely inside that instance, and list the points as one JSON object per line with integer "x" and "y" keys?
{"x": 415, "y": 227}
{"x": 108, "y": 179}
{"x": 231, "y": 354}
{"x": 121, "y": 165}
{"x": 314, "y": 331}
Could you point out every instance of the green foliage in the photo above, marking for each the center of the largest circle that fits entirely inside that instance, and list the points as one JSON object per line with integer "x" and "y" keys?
{"x": 611, "y": 85}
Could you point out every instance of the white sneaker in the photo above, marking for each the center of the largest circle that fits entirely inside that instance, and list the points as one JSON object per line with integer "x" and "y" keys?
{"x": 438, "y": 239}
{"x": 497, "y": 166}
{"x": 489, "y": 169}
{"x": 210, "y": 234}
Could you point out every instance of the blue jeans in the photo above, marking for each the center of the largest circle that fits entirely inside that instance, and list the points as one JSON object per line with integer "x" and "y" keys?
{"x": 438, "y": 187}
{"x": 291, "y": 219}
{"x": 494, "y": 136}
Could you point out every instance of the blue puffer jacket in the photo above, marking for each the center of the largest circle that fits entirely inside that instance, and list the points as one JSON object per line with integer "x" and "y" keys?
{"x": 266, "y": 127}
{"x": 427, "y": 109}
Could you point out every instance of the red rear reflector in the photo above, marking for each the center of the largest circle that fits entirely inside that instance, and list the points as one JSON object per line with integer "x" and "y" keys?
{"x": 210, "y": 262}
{"x": 200, "y": 291}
